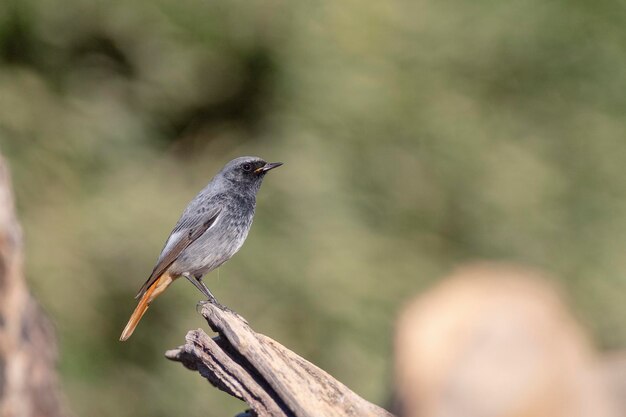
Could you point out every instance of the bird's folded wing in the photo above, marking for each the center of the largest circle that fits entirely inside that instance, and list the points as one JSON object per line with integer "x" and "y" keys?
{"x": 187, "y": 230}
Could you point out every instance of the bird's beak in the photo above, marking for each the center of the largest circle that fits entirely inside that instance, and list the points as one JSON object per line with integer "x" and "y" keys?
{"x": 267, "y": 167}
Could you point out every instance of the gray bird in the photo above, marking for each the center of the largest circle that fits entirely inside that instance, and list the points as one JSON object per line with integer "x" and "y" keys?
{"x": 210, "y": 231}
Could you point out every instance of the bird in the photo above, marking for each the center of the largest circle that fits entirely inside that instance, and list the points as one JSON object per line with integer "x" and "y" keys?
{"x": 212, "y": 228}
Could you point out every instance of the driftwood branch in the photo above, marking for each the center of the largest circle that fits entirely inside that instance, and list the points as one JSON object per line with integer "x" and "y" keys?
{"x": 273, "y": 380}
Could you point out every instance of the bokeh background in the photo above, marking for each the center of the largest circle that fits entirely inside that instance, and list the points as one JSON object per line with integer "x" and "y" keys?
{"x": 415, "y": 134}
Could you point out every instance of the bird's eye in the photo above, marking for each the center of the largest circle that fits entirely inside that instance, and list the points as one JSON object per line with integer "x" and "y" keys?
{"x": 247, "y": 167}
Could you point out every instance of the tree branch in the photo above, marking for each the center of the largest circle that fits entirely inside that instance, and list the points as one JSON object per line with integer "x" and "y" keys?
{"x": 273, "y": 380}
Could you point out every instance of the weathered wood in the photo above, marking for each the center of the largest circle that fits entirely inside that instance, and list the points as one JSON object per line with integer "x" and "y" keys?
{"x": 28, "y": 381}
{"x": 273, "y": 380}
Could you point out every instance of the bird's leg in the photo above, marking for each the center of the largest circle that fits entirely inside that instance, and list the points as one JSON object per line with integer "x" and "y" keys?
{"x": 197, "y": 281}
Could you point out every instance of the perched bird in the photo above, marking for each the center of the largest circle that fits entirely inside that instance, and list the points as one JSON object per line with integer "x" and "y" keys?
{"x": 210, "y": 231}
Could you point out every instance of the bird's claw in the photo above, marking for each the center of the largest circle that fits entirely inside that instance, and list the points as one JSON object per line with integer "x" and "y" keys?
{"x": 200, "y": 305}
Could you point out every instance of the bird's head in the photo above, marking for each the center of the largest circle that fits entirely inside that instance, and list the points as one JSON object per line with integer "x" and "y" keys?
{"x": 248, "y": 170}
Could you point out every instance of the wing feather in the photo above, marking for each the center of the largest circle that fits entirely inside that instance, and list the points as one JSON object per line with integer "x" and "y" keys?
{"x": 187, "y": 230}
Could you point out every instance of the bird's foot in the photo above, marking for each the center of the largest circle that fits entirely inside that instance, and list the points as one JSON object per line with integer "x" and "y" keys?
{"x": 212, "y": 301}
{"x": 201, "y": 305}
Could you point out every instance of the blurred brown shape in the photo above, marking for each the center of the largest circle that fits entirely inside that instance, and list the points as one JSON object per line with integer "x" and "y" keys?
{"x": 496, "y": 341}
{"x": 28, "y": 381}
{"x": 614, "y": 370}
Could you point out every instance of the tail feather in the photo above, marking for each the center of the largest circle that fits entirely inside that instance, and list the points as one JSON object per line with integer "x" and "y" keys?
{"x": 157, "y": 287}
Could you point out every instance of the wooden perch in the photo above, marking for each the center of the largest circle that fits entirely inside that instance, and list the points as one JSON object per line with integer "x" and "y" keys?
{"x": 273, "y": 380}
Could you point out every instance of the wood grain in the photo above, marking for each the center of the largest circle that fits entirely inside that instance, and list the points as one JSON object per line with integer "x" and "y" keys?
{"x": 273, "y": 380}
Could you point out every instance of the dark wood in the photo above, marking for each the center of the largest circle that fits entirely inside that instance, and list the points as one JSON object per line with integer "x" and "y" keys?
{"x": 273, "y": 380}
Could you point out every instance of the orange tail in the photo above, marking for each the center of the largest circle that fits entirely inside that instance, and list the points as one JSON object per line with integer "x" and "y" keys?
{"x": 159, "y": 285}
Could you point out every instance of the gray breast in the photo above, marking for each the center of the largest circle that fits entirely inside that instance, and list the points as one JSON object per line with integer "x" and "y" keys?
{"x": 220, "y": 242}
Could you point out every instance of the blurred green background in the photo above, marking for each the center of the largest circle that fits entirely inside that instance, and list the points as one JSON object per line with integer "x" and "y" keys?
{"x": 415, "y": 135}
